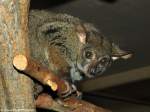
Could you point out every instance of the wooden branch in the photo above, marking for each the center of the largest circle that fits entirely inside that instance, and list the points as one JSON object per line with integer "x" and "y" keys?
{"x": 69, "y": 105}
{"x": 116, "y": 79}
{"x": 83, "y": 106}
{"x": 15, "y": 89}
{"x": 47, "y": 102}
{"x": 40, "y": 73}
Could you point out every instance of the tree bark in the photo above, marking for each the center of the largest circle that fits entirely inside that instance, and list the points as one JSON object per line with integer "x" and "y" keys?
{"x": 15, "y": 88}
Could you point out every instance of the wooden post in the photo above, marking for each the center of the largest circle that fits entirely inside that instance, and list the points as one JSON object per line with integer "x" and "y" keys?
{"x": 15, "y": 88}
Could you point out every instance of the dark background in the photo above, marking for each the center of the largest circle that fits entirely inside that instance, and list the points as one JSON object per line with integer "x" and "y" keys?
{"x": 127, "y": 23}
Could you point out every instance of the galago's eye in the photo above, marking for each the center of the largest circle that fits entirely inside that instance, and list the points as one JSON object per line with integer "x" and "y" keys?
{"x": 88, "y": 54}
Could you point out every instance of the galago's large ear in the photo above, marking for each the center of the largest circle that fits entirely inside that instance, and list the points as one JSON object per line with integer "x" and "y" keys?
{"x": 117, "y": 53}
{"x": 81, "y": 33}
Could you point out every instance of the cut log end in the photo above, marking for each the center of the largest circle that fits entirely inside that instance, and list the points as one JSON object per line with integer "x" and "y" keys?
{"x": 23, "y": 63}
{"x": 20, "y": 62}
{"x": 52, "y": 84}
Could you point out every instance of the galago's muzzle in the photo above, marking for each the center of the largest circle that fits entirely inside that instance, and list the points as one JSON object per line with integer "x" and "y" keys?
{"x": 99, "y": 67}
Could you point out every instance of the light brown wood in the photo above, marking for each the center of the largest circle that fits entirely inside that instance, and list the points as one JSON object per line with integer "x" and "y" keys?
{"x": 47, "y": 102}
{"x": 15, "y": 88}
{"x": 45, "y": 76}
{"x": 20, "y": 62}
{"x": 35, "y": 70}
{"x": 83, "y": 106}
{"x": 69, "y": 105}
{"x": 52, "y": 84}
{"x": 40, "y": 73}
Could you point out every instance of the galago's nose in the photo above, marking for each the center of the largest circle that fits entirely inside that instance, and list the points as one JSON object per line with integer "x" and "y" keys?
{"x": 97, "y": 69}
{"x": 100, "y": 66}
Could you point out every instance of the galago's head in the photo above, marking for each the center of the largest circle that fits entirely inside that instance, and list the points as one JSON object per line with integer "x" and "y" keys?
{"x": 97, "y": 53}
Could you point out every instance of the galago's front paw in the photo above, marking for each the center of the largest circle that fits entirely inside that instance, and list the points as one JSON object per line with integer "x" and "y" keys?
{"x": 71, "y": 91}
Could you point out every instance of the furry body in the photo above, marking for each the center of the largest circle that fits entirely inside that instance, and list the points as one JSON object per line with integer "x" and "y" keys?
{"x": 68, "y": 46}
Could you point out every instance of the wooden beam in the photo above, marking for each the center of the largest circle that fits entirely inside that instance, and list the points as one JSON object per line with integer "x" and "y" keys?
{"x": 117, "y": 79}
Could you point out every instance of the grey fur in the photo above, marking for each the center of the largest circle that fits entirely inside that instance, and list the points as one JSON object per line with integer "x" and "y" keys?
{"x": 54, "y": 42}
